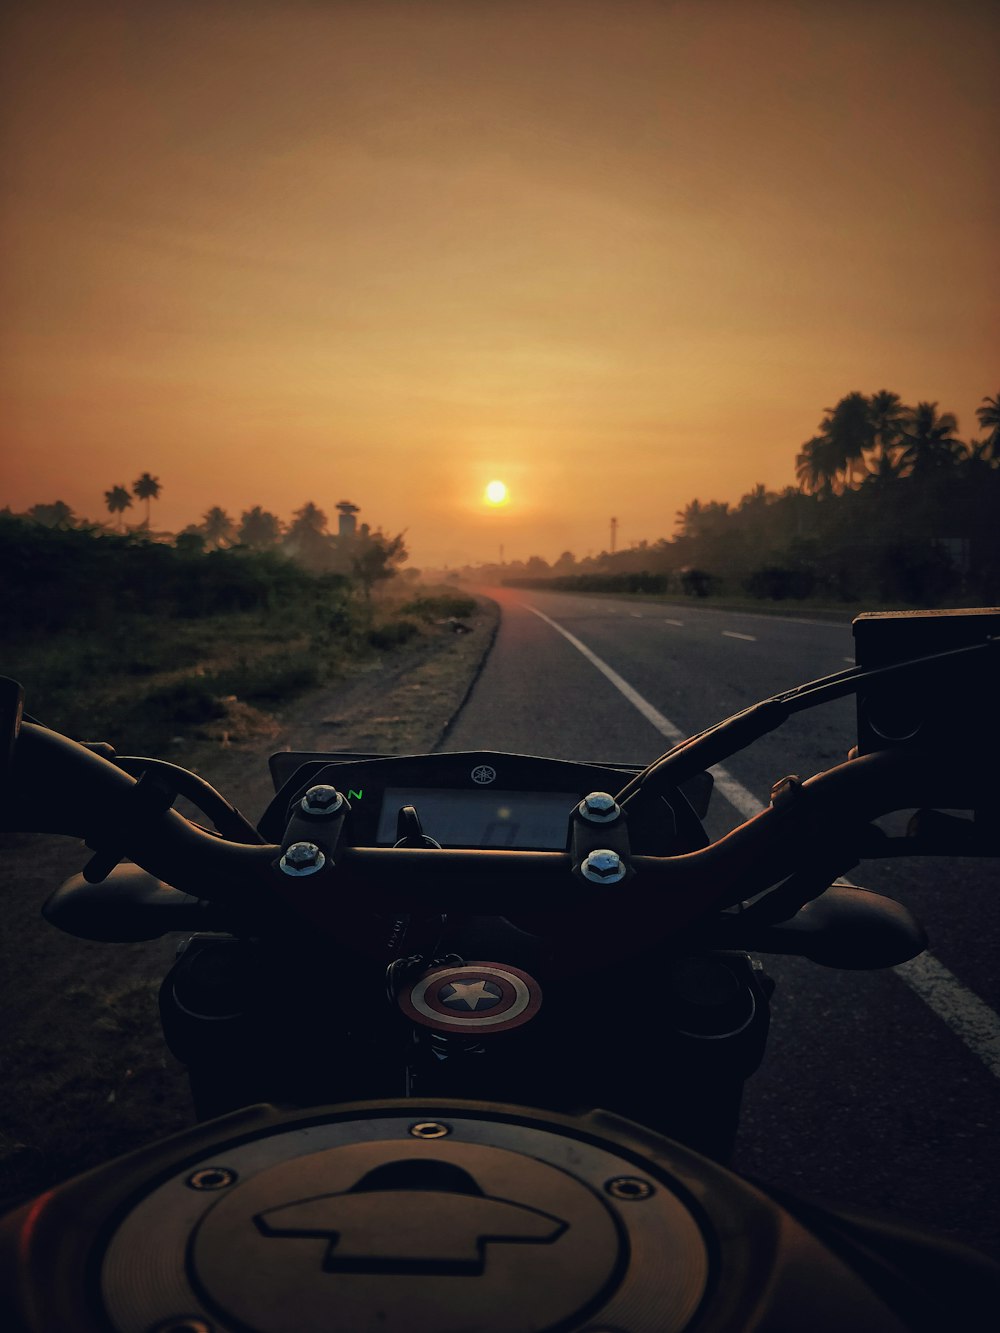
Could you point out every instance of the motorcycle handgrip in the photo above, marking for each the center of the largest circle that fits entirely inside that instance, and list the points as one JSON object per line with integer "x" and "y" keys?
{"x": 58, "y": 786}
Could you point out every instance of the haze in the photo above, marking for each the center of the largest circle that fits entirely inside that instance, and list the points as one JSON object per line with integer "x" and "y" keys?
{"x": 616, "y": 255}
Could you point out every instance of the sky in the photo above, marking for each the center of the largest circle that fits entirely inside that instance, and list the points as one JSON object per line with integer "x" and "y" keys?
{"x": 617, "y": 254}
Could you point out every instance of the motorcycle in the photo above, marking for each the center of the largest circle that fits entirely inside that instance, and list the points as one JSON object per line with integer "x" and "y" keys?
{"x": 414, "y": 1004}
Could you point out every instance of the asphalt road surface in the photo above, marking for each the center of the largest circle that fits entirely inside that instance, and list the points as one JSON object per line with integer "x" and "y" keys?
{"x": 880, "y": 1089}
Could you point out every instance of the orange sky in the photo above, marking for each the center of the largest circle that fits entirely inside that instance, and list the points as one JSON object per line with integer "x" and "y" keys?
{"x": 617, "y": 255}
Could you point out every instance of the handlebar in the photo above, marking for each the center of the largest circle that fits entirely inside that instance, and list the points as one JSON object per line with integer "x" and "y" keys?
{"x": 60, "y": 786}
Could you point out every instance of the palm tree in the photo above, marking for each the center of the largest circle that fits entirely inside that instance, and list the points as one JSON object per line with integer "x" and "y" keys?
{"x": 989, "y": 419}
{"x": 217, "y": 526}
{"x": 259, "y": 528}
{"x": 886, "y": 413}
{"x": 980, "y": 461}
{"x": 307, "y": 540}
{"x": 884, "y": 469}
{"x": 118, "y": 500}
{"x": 848, "y": 431}
{"x": 147, "y": 488}
{"x": 309, "y": 518}
{"x": 816, "y": 466}
{"x": 930, "y": 440}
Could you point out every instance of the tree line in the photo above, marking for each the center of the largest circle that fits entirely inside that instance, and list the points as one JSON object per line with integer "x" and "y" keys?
{"x": 354, "y": 551}
{"x": 890, "y": 506}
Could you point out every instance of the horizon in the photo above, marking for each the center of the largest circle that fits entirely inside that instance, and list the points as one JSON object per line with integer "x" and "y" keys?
{"x": 618, "y": 256}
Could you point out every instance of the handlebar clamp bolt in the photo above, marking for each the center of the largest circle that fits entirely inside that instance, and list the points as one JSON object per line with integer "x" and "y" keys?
{"x": 321, "y": 800}
{"x": 603, "y": 867}
{"x": 599, "y": 808}
{"x": 302, "y": 858}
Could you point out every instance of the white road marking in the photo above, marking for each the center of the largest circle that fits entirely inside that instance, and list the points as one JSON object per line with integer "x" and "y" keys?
{"x": 678, "y": 623}
{"x": 964, "y": 1012}
{"x": 969, "y": 1017}
{"x": 731, "y": 634}
{"x": 636, "y": 615}
{"x": 734, "y": 792}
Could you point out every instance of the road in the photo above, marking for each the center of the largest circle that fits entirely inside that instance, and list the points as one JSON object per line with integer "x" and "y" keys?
{"x": 880, "y": 1089}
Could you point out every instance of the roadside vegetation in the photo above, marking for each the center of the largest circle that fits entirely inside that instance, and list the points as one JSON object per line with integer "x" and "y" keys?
{"x": 201, "y": 653}
{"x": 891, "y": 508}
{"x": 146, "y": 643}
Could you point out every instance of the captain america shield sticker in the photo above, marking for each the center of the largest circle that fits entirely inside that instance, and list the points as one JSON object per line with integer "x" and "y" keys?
{"x": 476, "y": 997}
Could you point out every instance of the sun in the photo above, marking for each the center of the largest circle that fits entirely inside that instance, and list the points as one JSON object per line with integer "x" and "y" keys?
{"x": 496, "y": 493}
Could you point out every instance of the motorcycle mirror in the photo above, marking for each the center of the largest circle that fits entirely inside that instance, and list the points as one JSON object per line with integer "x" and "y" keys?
{"x": 11, "y": 712}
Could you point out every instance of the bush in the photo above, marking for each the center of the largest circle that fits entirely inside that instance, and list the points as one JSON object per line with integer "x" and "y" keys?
{"x": 67, "y": 578}
{"x": 697, "y": 582}
{"x": 916, "y": 573}
{"x": 639, "y": 582}
{"x": 441, "y": 608}
{"x": 146, "y": 724}
{"x": 268, "y": 678}
{"x": 777, "y": 583}
{"x": 185, "y": 701}
{"x": 393, "y": 634}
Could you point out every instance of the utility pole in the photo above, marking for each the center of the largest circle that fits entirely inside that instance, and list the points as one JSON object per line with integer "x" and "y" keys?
{"x": 614, "y": 534}
{"x": 501, "y": 553}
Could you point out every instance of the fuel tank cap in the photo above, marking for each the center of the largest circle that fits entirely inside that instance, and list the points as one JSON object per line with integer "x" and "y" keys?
{"x": 436, "y": 1224}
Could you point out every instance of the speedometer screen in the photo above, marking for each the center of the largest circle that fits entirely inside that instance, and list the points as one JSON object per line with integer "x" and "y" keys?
{"x": 526, "y": 820}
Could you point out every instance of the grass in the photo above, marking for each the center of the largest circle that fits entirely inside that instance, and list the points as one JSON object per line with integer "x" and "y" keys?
{"x": 441, "y": 606}
{"x": 393, "y": 634}
{"x": 152, "y": 678}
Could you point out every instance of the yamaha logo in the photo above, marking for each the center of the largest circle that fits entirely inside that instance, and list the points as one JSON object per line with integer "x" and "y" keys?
{"x": 483, "y": 774}
{"x": 474, "y": 998}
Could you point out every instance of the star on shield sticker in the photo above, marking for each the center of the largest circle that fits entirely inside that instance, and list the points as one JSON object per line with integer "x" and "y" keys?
{"x": 471, "y": 994}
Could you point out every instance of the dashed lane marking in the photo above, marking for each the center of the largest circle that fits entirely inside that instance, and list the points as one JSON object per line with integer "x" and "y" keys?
{"x": 970, "y": 1018}
{"x": 731, "y": 634}
{"x": 734, "y": 792}
{"x": 964, "y": 1012}
{"x": 678, "y": 623}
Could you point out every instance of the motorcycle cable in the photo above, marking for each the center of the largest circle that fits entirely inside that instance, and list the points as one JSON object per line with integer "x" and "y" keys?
{"x": 735, "y": 733}
{"x": 230, "y": 823}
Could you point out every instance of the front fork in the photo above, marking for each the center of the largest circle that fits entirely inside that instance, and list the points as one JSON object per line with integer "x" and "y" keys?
{"x": 667, "y": 1041}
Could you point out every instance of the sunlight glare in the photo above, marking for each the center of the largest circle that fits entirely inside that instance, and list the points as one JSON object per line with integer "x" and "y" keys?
{"x": 496, "y": 493}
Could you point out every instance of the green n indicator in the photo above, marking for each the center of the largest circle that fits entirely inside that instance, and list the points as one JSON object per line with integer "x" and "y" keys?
{"x": 353, "y": 795}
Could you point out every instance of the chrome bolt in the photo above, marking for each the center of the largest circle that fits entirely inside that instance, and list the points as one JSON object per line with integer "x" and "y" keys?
{"x": 599, "y": 808}
{"x": 211, "y": 1178}
{"x": 302, "y": 858}
{"x": 430, "y": 1129}
{"x": 603, "y": 867}
{"x": 628, "y": 1188}
{"x": 321, "y": 800}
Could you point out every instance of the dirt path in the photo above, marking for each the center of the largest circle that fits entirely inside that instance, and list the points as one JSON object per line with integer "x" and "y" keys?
{"x": 83, "y": 1073}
